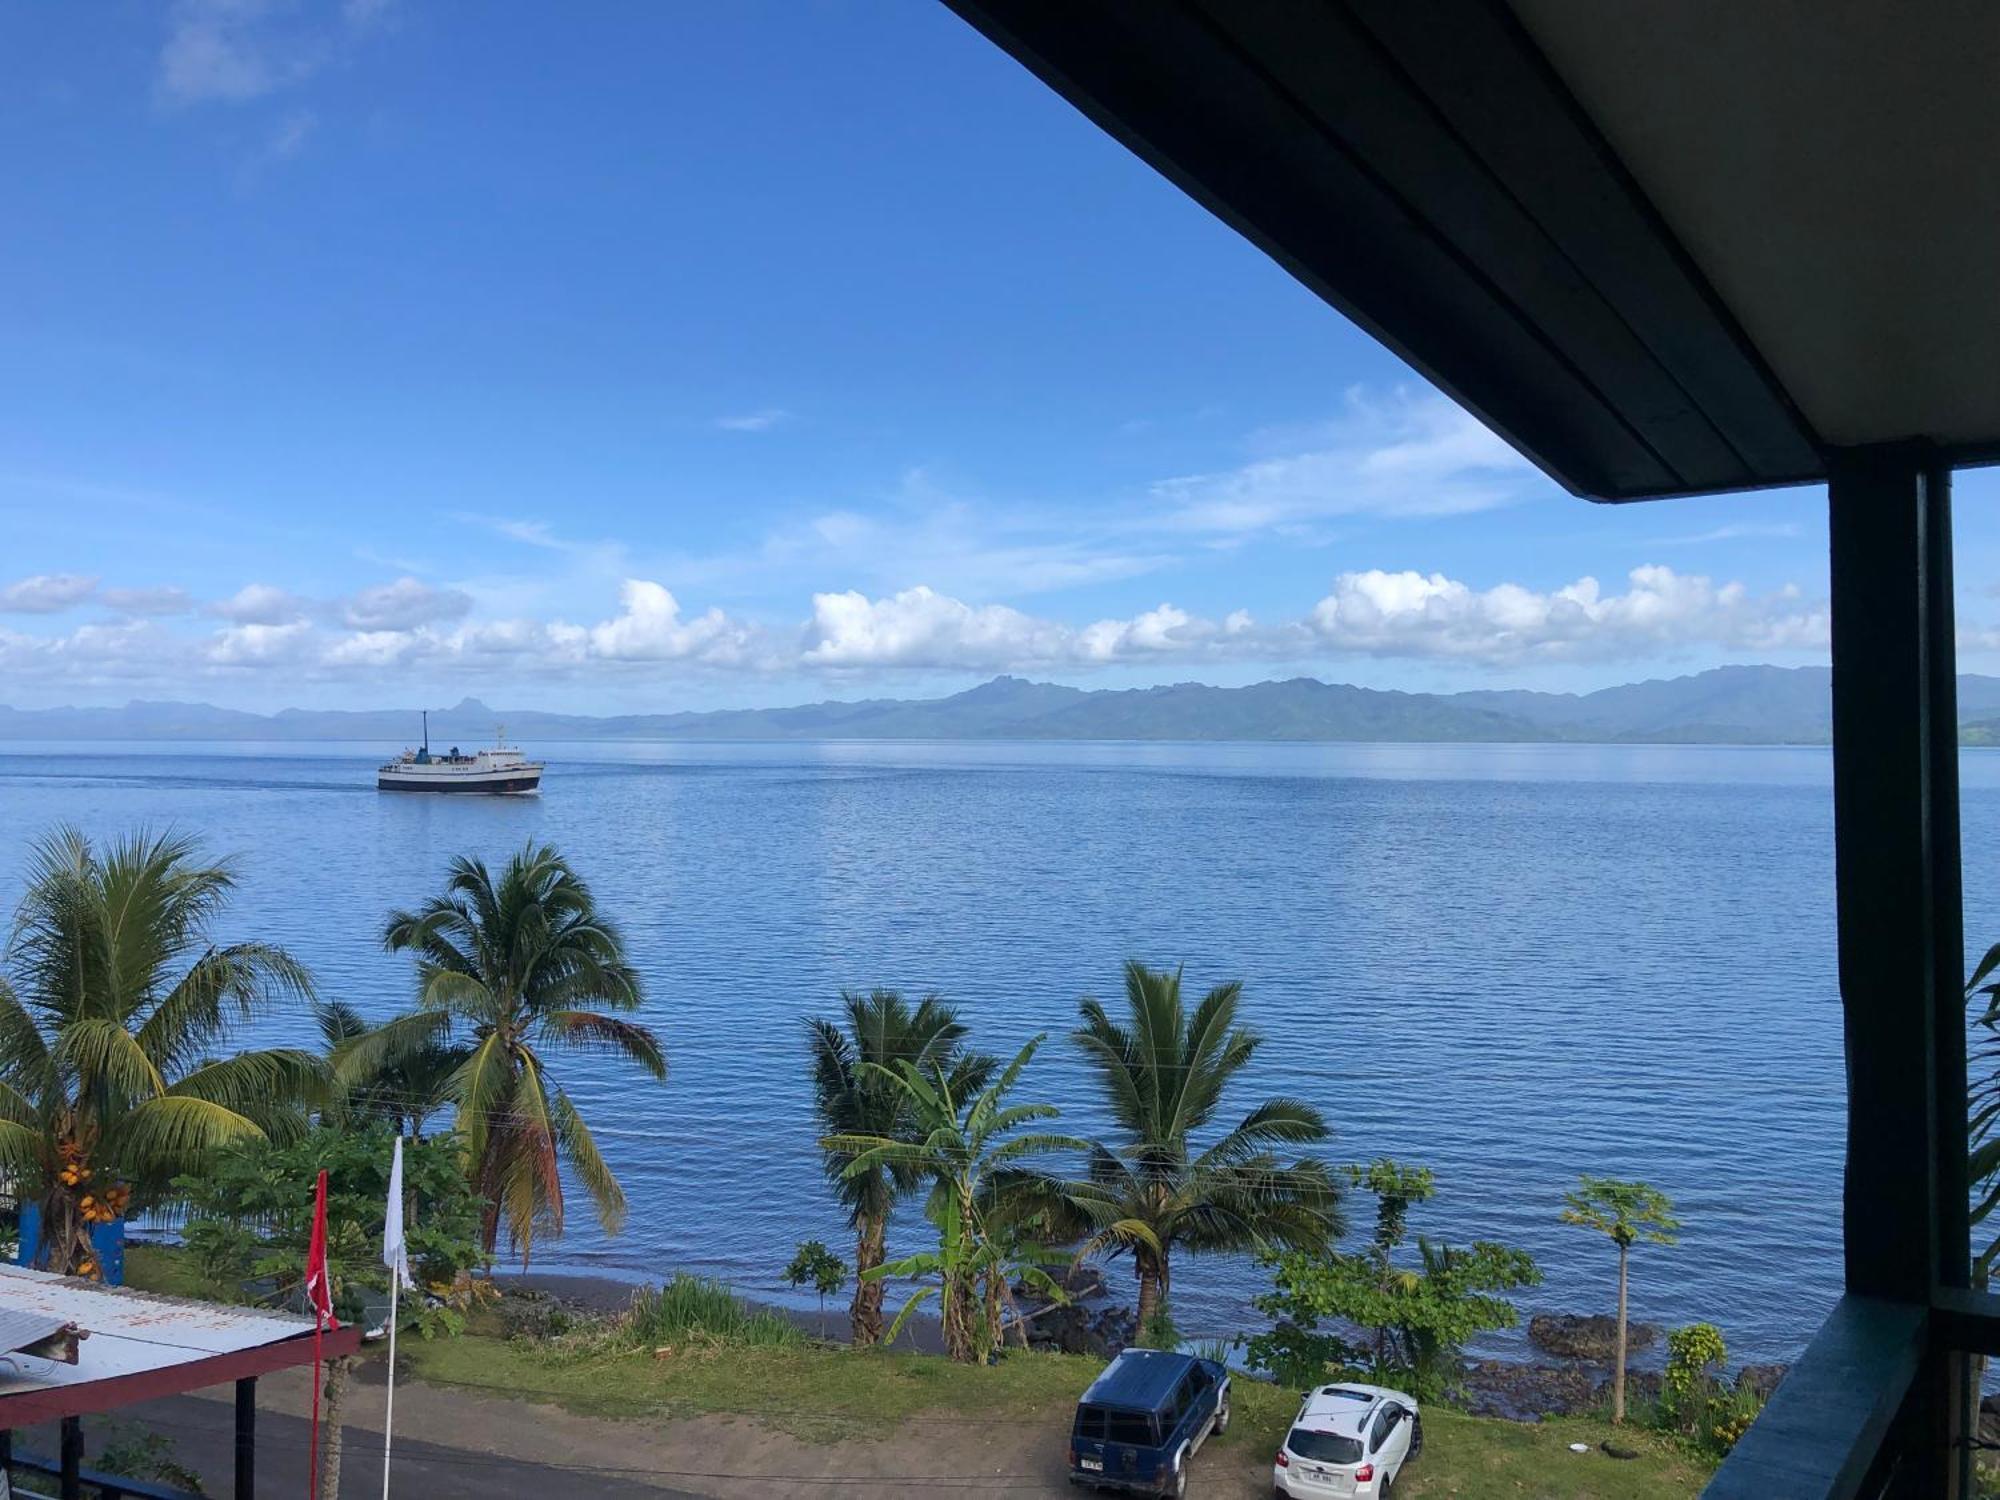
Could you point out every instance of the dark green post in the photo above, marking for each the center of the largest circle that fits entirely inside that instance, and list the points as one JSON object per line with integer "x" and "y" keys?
{"x": 1896, "y": 858}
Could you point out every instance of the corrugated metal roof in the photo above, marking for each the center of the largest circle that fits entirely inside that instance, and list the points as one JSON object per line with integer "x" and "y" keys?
{"x": 129, "y": 1332}
{"x": 20, "y": 1329}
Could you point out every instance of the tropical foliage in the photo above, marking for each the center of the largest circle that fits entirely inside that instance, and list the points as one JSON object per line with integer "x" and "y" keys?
{"x": 512, "y": 973}
{"x": 117, "y": 1002}
{"x": 250, "y": 1209}
{"x": 856, "y": 1093}
{"x": 1413, "y": 1321}
{"x": 1153, "y": 1189}
{"x": 403, "y": 1091}
{"x": 1626, "y": 1213}
{"x": 816, "y": 1266}
{"x": 973, "y": 1150}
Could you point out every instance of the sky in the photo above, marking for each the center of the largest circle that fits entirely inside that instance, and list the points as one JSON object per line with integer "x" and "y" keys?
{"x": 607, "y": 357}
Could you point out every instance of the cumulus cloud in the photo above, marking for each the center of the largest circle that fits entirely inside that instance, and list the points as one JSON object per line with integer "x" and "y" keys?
{"x": 259, "y": 604}
{"x": 1410, "y": 614}
{"x": 403, "y": 605}
{"x": 148, "y": 601}
{"x": 1408, "y": 455}
{"x": 650, "y": 628}
{"x": 920, "y": 627}
{"x": 408, "y": 626}
{"x": 260, "y": 644}
{"x": 46, "y": 593}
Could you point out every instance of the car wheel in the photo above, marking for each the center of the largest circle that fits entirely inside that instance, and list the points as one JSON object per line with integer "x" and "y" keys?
{"x": 1222, "y": 1419}
{"x": 1177, "y": 1487}
{"x": 1416, "y": 1436}
{"x": 1388, "y": 1486}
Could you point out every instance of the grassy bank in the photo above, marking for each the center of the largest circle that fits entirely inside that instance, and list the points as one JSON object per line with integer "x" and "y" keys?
{"x": 766, "y": 1371}
{"x": 832, "y": 1395}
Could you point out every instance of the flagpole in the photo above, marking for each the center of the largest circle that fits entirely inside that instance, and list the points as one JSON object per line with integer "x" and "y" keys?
{"x": 389, "y": 1416}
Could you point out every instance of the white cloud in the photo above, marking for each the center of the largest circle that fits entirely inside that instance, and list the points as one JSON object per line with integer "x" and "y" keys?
{"x": 920, "y": 627}
{"x": 148, "y": 601}
{"x": 1409, "y": 455}
{"x": 234, "y": 50}
{"x": 407, "y": 627}
{"x": 754, "y": 421}
{"x": 403, "y": 605}
{"x": 650, "y": 628}
{"x": 1419, "y": 615}
{"x": 260, "y": 645}
{"x": 46, "y": 593}
{"x": 259, "y": 604}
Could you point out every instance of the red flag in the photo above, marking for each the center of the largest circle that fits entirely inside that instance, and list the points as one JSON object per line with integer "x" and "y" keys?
{"x": 319, "y": 1283}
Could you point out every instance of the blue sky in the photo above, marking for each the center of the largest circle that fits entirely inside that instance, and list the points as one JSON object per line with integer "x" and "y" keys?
{"x": 609, "y": 356}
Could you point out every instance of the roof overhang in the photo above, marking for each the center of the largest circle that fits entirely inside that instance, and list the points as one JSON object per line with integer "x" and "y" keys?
{"x": 1663, "y": 247}
{"x": 136, "y": 1346}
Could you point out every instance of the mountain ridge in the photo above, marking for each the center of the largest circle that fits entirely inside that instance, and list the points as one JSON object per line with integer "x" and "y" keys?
{"x": 1725, "y": 705}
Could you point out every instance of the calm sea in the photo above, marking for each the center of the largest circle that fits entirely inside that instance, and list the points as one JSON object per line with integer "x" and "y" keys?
{"x": 1512, "y": 963}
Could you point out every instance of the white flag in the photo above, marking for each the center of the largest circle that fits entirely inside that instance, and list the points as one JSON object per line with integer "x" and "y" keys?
{"x": 395, "y": 1254}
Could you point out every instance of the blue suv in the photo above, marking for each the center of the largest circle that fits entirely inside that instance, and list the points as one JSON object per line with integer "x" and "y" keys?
{"x": 1144, "y": 1418}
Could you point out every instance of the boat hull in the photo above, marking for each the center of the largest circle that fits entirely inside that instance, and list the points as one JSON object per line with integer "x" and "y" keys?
{"x": 514, "y": 783}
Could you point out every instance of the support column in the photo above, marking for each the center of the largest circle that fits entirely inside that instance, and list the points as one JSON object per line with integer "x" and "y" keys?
{"x": 1895, "y": 788}
{"x": 246, "y": 1438}
{"x": 72, "y": 1459}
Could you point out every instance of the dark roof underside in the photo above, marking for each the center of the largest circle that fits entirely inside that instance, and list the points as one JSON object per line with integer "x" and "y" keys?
{"x": 1422, "y": 166}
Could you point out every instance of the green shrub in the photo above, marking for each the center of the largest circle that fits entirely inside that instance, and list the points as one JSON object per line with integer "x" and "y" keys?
{"x": 699, "y": 1308}
{"x": 1697, "y": 1401}
{"x": 1688, "y": 1388}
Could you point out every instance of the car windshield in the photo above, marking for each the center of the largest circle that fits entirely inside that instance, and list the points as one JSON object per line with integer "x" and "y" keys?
{"x": 1109, "y": 1424}
{"x": 1324, "y": 1447}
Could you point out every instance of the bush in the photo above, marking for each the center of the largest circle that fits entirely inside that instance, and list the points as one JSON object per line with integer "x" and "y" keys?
{"x": 1688, "y": 1388}
{"x": 701, "y": 1309}
{"x": 1696, "y": 1401}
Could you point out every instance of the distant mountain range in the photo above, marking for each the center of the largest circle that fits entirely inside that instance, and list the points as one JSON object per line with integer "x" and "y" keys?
{"x": 1729, "y": 705}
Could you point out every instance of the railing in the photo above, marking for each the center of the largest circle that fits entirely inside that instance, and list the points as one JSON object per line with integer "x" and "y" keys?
{"x": 105, "y": 1486}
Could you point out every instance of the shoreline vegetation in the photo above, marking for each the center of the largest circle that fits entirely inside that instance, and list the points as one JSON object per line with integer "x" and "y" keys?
{"x": 119, "y": 1096}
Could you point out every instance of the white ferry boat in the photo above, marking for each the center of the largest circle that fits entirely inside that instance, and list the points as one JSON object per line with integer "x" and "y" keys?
{"x": 502, "y": 769}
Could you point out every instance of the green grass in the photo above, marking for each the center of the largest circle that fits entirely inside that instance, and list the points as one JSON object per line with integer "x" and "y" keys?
{"x": 831, "y": 1394}
{"x": 827, "y": 1394}
{"x": 171, "y": 1271}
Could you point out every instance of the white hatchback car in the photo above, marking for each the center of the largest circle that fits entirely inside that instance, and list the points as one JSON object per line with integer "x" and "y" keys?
{"x": 1348, "y": 1439}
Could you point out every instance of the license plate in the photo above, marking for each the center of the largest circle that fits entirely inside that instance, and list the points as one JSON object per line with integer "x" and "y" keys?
{"x": 1095, "y": 1465}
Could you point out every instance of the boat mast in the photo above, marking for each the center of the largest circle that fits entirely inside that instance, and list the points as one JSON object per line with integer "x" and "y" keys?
{"x": 427, "y": 733}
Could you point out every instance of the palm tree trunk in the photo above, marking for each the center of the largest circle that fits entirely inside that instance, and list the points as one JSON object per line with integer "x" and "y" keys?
{"x": 1152, "y": 1286}
{"x": 864, "y": 1313}
{"x": 334, "y": 1393}
{"x": 1618, "y": 1370}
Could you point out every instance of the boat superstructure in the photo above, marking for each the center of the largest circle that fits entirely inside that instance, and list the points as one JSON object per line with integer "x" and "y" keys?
{"x": 502, "y": 769}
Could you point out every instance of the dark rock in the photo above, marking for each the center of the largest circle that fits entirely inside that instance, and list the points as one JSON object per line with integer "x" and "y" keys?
{"x": 1763, "y": 1379}
{"x": 1613, "y": 1450}
{"x": 1525, "y": 1393}
{"x": 1640, "y": 1385}
{"x": 1573, "y": 1336}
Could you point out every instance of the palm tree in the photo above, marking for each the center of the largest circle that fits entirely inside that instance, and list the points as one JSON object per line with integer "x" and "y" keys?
{"x": 1153, "y": 1190}
{"x": 1626, "y": 1213}
{"x": 504, "y": 972}
{"x": 404, "y": 1091}
{"x": 848, "y": 1100}
{"x": 967, "y": 1146}
{"x": 119, "y": 997}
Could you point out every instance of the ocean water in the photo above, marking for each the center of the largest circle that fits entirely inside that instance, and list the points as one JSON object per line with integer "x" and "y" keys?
{"x": 1514, "y": 964}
